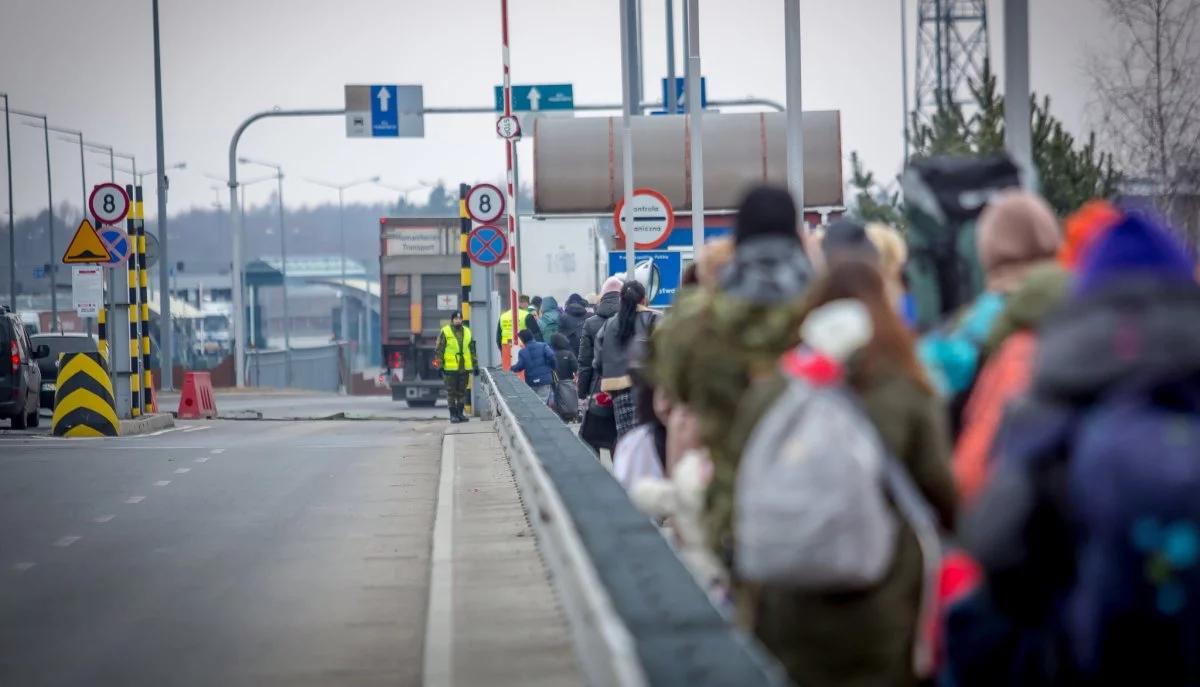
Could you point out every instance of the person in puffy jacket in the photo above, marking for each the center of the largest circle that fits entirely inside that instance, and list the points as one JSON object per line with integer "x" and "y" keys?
{"x": 619, "y": 347}
{"x": 548, "y": 321}
{"x": 537, "y": 361}
{"x": 606, "y": 307}
{"x": 570, "y": 323}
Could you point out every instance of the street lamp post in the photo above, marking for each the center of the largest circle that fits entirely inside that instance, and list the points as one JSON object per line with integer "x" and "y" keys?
{"x": 55, "y": 324}
{"x": 164, "y": 305}
{"x": 341, "y": 188}
{"x": 12, "y": 232}
{"x": 283, "y": 272}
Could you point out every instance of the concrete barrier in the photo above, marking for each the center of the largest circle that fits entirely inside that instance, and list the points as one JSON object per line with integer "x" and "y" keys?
{"x": 637, "y": 616}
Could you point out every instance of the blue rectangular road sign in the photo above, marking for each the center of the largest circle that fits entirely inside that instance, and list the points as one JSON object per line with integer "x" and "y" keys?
{"x": 680, "y": 90}
{"x": 538, "y": 97}
{"x": 660, "y": 271}
{"x": 385, "y": 118}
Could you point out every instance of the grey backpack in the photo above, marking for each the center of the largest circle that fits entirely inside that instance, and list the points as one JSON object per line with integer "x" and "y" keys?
{"x": 812, "y": 497}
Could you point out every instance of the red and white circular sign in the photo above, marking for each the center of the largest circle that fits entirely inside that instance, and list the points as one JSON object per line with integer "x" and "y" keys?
{"x": 652, "y": 219}
{"x": 485, "y": 203}
{"x": 109, "y": 203}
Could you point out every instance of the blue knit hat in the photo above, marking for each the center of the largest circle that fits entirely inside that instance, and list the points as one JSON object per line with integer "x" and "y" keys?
{"x": 1136, "y": 247}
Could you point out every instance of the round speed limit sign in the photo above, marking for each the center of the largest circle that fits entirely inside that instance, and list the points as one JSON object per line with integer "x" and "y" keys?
{"x": 109, "y": 203}
{"x": 508, "y": 127}
{"x": 485, "y": 203}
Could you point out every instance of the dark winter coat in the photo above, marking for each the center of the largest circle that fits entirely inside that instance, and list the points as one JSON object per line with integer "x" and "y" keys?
{"x": 537, "y": 361}
{"x": 570, "y": 323}
{"x": 856, "y": 638}
{"x": 608, "y": 306}
{"x": 612, "y": 359}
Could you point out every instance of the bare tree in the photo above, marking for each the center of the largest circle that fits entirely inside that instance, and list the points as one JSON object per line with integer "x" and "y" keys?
{"x": 1147, "y": 86}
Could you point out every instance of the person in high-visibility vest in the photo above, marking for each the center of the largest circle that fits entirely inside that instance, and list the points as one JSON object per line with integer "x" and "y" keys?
{"x": 455, "y": 356}
{"x": 504, "y": 327}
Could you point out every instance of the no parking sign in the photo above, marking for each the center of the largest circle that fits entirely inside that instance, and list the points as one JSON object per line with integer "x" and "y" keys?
{"x": 487, "y": 245}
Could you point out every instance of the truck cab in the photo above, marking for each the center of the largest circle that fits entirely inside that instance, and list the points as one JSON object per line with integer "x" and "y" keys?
{"x": 420, "y": 288}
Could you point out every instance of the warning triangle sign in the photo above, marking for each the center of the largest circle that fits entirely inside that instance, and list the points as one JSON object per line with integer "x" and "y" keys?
{"x": 86, "y": 247}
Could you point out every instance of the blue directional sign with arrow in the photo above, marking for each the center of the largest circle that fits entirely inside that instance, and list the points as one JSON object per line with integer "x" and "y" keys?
{"x": 384, "y": 111}
{"x": 680, "y": 91}
{"x": 384, "y": 120}
{"x": 538, "y": 97}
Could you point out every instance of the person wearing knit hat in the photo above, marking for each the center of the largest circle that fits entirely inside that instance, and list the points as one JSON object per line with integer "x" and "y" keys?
{"x": 848, "y": 238}
{"x": 606, "y": 307}
{"x": 1094, "y": 481}
{"x": 1017, "y": 231}
{"x": 766, "y": 211}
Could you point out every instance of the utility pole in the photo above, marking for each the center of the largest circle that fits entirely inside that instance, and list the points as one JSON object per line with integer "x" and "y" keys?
{"x": 165, "y": 334}
{"x": 56, "y": 325}
{"x": 671, "y": 105}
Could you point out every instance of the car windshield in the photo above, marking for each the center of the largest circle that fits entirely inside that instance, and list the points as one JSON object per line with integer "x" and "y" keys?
{"x": 66, "y": 344}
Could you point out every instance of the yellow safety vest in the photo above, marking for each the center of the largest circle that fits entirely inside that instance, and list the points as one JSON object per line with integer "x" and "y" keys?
{"x": 452, "y": 353}
{"x": 506, "y": 327}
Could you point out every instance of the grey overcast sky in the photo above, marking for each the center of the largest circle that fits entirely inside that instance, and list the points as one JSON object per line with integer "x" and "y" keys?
{"x": 88, "y": 65}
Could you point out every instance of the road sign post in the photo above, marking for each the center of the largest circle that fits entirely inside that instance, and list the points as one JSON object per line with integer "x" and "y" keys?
{"x": 487, "y": 245}
{"x": 109, "y": 203}
{"x": 485, "y": 203}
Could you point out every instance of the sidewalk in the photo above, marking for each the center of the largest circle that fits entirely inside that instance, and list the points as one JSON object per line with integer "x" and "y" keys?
{"x": 494, "y": 617}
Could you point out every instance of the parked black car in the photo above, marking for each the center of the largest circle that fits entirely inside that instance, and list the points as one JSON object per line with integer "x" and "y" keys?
{"x": 59, "y": 343}
{"x": 20, "y": 377}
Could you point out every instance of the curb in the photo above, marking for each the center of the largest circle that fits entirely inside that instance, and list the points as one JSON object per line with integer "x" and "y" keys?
{"x": 146, "y": 424}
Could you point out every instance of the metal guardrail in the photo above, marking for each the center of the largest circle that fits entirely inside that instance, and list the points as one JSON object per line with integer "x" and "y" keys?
{"x": 637, "y": 617}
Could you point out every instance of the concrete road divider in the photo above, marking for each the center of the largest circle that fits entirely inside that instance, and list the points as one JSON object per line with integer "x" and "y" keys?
{"x": 197, "y": 399}
{"x": 83, "y": 401}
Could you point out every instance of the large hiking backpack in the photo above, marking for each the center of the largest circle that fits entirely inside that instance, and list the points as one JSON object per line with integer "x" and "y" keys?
{"x": 1134, "y": 487}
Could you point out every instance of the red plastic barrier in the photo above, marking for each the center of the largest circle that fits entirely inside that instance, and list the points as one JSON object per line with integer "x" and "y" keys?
{"x": 197, "y": 400}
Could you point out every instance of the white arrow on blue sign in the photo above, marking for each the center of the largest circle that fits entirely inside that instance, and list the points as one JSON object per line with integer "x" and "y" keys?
{"x": 385, "y": 111}
{"x": 538, "y": 97}
{"x": 680, "y": 93}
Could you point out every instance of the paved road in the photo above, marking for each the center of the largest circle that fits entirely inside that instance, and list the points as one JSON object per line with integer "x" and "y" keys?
{"x": 290, "y": 405}
{"x": 219, "y": 553}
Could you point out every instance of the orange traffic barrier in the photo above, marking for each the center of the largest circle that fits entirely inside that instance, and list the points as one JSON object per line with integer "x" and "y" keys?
{"x": 197, "y": 400}
{"x": 506, "y": 356}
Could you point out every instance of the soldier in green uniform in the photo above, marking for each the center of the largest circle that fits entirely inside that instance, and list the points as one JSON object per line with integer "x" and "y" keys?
{"x": 455, "y": 355}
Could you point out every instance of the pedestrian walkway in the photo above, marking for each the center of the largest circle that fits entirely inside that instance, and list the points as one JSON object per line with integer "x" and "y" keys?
{"x": 494, "y": 617}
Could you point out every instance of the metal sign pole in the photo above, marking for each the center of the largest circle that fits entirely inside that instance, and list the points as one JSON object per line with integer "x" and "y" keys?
{"x": 628, "y": 50}
{"x": 795, "y": 116}
{"x": 696, "y": 119}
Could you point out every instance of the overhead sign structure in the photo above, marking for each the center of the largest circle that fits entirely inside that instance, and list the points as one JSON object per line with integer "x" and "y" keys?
{"x": 118, "y": 244}
{"x": 508, "y": 126}
{"x": 385, "y": 111}
{"x": 487, "y": 245}
{"x": 538, "y": 97}
{"x": 650, "y": 221}
{"x": 109, "y": 203}
{"x": 485, "y": 203}
{"x": 87, "y": 289}
{"x": 660, "y": 271}
{"x": 681, "y": 93}
{"x": 86, "y": 248}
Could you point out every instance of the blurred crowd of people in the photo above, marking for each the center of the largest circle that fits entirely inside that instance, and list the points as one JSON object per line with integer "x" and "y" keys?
{"x": 1009, "y": 498}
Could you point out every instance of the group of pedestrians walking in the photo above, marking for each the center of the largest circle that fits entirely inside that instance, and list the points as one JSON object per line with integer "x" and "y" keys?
{"x": 1010, "y": 498}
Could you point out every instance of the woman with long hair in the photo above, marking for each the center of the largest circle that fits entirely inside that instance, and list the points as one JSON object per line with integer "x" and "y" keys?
{"x": 863, "y": 637}
{"x": 620, "y": 346}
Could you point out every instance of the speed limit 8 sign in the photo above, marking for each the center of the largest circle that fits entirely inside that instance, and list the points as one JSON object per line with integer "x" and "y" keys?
{"x": 109, "y": 203}
{"x": 485, "y": 203}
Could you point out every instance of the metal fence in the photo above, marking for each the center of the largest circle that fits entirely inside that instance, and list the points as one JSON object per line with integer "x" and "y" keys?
{"x": 318, "y": 368}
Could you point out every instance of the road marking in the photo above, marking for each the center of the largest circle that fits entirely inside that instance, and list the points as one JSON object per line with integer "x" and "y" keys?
{"x": 439, "y": 624}
{"x": 158, "y": 433}
{"x": 162, "y": 482}
{"x": 202, "y": 459}
{"x": 64, "y": 542}
{"x": 217, "y": 450}
{"x": 183, "y": 471}
{"x": 103, "y": 518}
{"x": 135, "y": 499}
{"x": 199, "y": 428}
{"x": 23, "y": 566}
